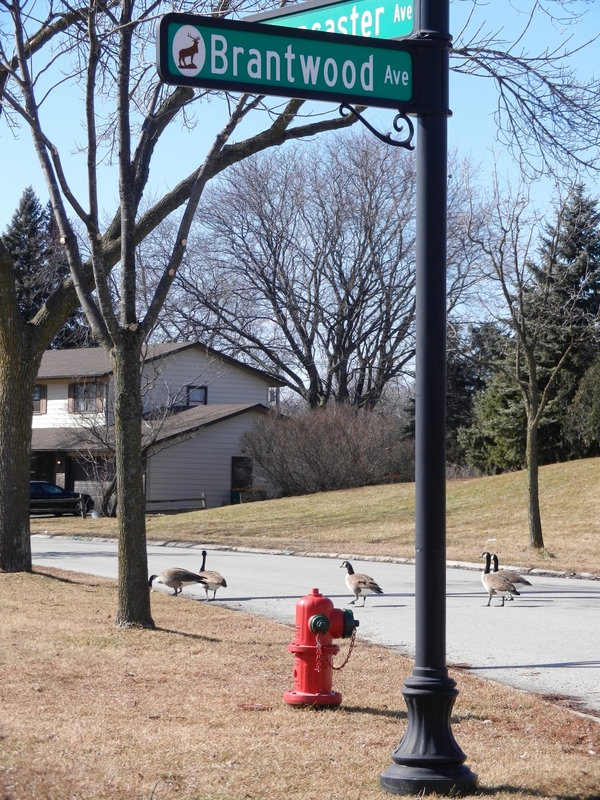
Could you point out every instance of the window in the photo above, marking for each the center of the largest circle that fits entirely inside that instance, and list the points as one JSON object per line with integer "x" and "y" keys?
{"x": 39, "y": 399}
{"x": 196, "y": 396}
{"x": 86, "y": 397}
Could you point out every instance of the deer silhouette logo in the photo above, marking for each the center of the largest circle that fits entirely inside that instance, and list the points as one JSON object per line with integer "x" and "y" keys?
{"x": 188, "y": 53}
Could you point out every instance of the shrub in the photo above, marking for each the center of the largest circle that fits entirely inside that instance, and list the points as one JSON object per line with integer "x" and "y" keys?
{"x": 321, "y": 450}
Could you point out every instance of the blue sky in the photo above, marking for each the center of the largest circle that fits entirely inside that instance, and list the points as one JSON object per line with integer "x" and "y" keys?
{"x": 471, "y": 128}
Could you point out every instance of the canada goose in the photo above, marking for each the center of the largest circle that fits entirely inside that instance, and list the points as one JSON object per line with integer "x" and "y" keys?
{"x": 494, "y": 583}
{"x": 510, "y": 574}
{"x": 176, "y": 578}
{"x": 360, "y": 584}
{"x": 212, "y": 580}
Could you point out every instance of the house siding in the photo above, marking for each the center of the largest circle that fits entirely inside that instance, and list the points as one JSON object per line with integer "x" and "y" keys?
{"x": 57, "y": 409}
{"x": 198, "y": 465}
{"x": 179, "y": 474}
{"x": 167, "y": 378}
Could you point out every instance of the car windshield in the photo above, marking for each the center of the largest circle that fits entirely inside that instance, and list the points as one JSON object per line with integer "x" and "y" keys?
{"x": 50, "y": 488}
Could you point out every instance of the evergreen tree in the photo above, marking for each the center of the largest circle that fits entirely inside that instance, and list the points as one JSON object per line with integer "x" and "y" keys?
{"x": 33, "y": 241}
{"x": 468, "y": 359}
{"x": 567, "y": 294}
{"x": 466, "y": 372}
{"x": 26, "y": 240}
{"x": 572, "y": 262}
{"x": 495, "y": 442}
{"x": 583, "y": 415}
{"x": 76, "y": 331}
{"x": 561, "y": 304}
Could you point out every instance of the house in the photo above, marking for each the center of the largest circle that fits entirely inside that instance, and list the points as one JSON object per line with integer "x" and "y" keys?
{"x": 197, "y": 405}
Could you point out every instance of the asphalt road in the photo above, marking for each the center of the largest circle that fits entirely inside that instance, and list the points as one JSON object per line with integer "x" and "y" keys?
{"x": 545, "y": 641}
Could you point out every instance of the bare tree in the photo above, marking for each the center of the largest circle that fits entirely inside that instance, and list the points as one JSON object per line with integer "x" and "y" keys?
{"x": 546, "y": 309}
{"x": 101, "y": 51}
{"x": 547, "y": 115}
{"x": 307, "y": 266}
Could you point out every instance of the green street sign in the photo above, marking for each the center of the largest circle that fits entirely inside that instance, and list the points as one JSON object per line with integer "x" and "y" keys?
{"x": 249, "y": 57}
{"x": 382, "y": 19}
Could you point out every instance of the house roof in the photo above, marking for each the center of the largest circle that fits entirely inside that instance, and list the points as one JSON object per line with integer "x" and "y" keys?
{"x": 81, "y": 362}
{"x": 93, "y": 362}
{"x": 63, "y": 439}
{"x": 200, "y": 417}
{"x": 176, "y": 425}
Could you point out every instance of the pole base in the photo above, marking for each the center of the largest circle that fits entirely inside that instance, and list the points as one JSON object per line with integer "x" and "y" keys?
{"x": 448, "y": 780}
{"x": 315, "y": 699}
{"x": 428, "y": 759}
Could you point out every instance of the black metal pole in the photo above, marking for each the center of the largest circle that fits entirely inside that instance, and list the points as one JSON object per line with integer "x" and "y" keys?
{"x": 428, "y": 759}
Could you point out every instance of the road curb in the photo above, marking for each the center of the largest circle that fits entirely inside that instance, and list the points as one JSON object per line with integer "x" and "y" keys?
{"x": 535, "y": 571}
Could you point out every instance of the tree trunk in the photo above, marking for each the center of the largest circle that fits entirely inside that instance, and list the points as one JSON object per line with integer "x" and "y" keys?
{"x": 133, "y": 591}
{"x": 535, "y": 522}
{"x": 107, "y": 495}
{"x": 18, "y": 371}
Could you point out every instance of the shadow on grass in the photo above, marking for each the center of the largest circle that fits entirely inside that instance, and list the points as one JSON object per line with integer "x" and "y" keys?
{"x": 80, "y": 580}
{"x": 197, "y": 636}
{"x": 492, "y": 790}
{"x": 375, "y": 712}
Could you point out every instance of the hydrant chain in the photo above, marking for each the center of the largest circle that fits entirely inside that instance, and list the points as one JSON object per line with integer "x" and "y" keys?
{"x": 319, "y": 654}
{"x": 347, "y": 659}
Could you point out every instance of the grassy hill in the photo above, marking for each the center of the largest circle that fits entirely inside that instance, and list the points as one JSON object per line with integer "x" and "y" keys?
{"x": 482, "y": 514}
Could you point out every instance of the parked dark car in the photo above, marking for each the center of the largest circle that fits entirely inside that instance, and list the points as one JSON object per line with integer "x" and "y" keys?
{"x": 47, "y": 498}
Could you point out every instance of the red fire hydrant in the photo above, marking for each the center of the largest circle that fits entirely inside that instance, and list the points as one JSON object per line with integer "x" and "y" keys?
{"x": 318, "y": 623}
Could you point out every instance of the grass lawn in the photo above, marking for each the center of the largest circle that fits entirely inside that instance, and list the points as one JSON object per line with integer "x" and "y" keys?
{"x": 194, "y": 710}
{"x": 482, "y": 514}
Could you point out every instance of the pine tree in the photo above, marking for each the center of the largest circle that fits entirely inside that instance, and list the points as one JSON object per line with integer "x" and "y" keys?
{"x": 561, "y": 303}
{"x": 495, "y": 441}
{"x": 583, "y": 416}
{"x": 40, "y": 266}
{"x": 468, "y": 362}
{"x": 567, "y": 293}
{"x": 26, "y": 240}
{"x": 577, "y": 255}
{"x": 466, "y": 372}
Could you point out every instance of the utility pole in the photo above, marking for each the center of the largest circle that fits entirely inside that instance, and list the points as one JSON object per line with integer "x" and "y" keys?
{"x": 428, "y": 759}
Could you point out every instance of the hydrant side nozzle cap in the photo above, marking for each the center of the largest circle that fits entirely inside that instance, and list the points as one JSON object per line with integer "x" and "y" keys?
{"x": 319, "y": 624}
{"x": 349, "y": 623}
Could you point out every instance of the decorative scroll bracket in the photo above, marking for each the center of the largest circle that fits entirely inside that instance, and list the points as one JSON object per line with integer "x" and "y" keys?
{"x": 399, "y": 119}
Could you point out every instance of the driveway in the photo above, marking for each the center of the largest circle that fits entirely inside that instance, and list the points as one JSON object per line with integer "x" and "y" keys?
{"x": 545, "y": 641}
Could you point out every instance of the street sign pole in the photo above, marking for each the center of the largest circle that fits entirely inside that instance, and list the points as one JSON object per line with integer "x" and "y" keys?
{"x": 411, "y": 76}
{"x": 428, "y": 759}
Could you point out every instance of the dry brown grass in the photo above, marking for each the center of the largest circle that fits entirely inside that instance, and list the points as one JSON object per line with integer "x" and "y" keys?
{"x": 483, "y": 513}
{"x": 194, "y": 710}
